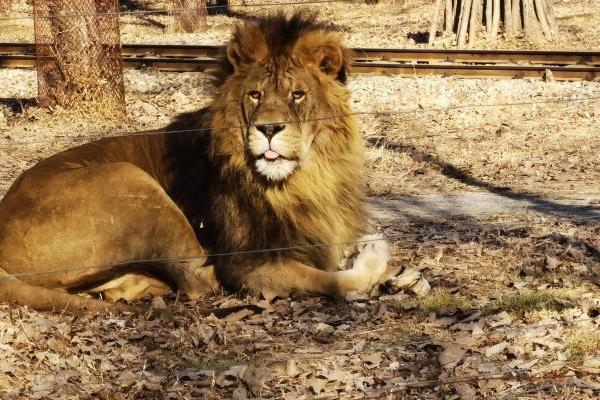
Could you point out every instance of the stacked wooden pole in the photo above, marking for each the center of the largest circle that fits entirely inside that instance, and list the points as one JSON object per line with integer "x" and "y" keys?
{"x": 467, "y": 17}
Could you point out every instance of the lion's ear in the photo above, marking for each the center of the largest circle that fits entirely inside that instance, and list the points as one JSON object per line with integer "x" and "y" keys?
{"x": 247, "y": 46}
{"x": 330, "y": 59}
{"x": 235, "y": 57}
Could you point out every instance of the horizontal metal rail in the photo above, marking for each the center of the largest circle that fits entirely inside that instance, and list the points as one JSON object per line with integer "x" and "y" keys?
{"x": 567, "y": 73}
{"x": 544, "y": 57}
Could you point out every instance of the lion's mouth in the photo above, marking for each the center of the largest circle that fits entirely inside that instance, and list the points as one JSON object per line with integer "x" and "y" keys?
{"x": 271, "y": 155}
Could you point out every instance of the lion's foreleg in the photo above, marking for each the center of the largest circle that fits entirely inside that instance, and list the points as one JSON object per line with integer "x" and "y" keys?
{"x": 287, "y": 277}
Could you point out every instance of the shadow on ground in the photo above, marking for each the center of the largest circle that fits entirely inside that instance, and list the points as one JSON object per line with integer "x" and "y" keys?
{"x": 518, "y": 200}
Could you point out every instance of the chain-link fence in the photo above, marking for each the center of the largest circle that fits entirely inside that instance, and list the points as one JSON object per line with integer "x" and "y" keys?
{"x": 79, "y": 54}
{"x": 5, "y": 6}
{"x": 189, "y": 15}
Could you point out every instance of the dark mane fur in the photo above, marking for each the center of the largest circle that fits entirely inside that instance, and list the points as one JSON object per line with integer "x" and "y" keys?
{"x": 280, "y": 34}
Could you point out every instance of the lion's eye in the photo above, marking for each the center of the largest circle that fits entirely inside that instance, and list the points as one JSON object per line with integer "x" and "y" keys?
{"x": 298, "y": 95}
{"x": 254, "y": 95}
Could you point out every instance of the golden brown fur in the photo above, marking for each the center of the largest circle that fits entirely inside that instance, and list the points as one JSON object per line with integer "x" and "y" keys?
{"x": 248, "y": 174}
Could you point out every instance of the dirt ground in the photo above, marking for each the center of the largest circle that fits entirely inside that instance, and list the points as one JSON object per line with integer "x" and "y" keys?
{"x": 513, "y": 302}
{"x": 514, "y": 294}
{"x": 516, "y": 134}
{"x": 389, "y": 23}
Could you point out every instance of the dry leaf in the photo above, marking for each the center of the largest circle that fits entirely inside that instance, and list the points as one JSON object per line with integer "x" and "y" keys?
{"x": 465, "y": 391}
{"x": 496, "y": 349}
{"x": 239, "y": 393}
{"x": 322, "y": 327}
{"x": 451, "y": 355}
{"x": 159, "y": 303}
{"x": 421, "y": 288}
{"x": 255, "y": 378}
{"x": 317, "y": 385}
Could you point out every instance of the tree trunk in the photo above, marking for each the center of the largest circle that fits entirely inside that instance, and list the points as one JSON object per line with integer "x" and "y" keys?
{"x": 449, "y": 20}
{"x": 474, "y": 21}
{"x": 495, "y": 20}
{"x": 464, "y": 23}
{"x": 464, "y": 17}
{"x": 508, "y": 24}
{"x": 433, "y": 28}
{"x": 5, "y": 6}
{"x": 79, "y": 54}
{"x": 189, "y": 15}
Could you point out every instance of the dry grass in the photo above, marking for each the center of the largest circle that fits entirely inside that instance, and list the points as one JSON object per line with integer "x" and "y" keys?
{"x": 442, "y": 302}
{"x": 582, "y": 343}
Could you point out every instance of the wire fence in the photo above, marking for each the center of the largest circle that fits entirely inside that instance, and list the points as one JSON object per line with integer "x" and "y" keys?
{"x": 167, "y": 11}
{"x": 524, "y": 372}
{"x": 187, "y": 258}
{"x": 88, "y": 137}
{"x": 253, "y": 251}
{"x": 517, "y": 373}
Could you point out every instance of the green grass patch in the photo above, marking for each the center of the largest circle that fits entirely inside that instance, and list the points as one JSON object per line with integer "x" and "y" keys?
{"x": 532, "y": 300}
{"x": 442, "y": 302}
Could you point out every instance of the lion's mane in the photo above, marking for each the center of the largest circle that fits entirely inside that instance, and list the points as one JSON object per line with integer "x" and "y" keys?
{"x": 321, "y": 203}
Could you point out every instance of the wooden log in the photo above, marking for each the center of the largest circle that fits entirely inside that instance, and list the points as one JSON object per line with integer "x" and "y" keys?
{"x": 488, "y": 18}
{"x": 508, "y": 23}
{"x": 516, "y": 15}
{"x": 449, "y": 17}
{"x": 474, "y": 21}
{"x": 495, "y": 20}
{"x": 551, "y": 17}
{"x": 434, "y": 21}
{"x": 464, "y": 23}
{"x": 529, "y": 22}
{"x": 459, "y": 16}
{"x": 542, "y": 18}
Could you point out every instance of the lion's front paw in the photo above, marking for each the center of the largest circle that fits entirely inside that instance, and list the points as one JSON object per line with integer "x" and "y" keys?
{"x": 369, "y": 266}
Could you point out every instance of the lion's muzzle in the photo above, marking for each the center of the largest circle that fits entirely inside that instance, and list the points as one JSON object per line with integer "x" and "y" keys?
{"x": 275, "y": 148}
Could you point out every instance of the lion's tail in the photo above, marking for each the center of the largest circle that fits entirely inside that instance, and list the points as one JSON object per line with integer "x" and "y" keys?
{"x": 14, "y": 291}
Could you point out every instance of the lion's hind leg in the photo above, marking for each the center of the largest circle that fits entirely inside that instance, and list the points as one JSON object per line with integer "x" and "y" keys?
{"x": 14, "y": 291}
{"x": 130, "y": 287}
{"x": 192, "y": 278}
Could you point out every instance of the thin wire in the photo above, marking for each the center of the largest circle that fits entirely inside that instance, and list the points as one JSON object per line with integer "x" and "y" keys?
{"x": 504, "y": 375}
{"x": 456, "y": 340}
{"x": 357, "y": 113}
{"x": 507, "y": 375}
{"x": 184, "y": 258}
{"x": 170, "y": 10}
{"x": 188, "y": 258}
{"x": 286, "y": 358}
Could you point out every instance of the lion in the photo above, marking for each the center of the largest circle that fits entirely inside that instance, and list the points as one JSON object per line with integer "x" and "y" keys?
{"x": 255, "y": 193}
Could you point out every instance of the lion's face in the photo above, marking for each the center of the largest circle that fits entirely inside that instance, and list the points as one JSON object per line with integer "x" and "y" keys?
{"x": 278, "y": 110}
{"x": 281, "y": 89}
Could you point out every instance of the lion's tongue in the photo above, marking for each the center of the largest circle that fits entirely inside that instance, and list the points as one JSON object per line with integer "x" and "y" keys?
{"x": 271, "y": 155}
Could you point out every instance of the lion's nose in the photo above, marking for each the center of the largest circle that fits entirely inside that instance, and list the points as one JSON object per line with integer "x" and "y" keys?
{"x": 270, "y": 130}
